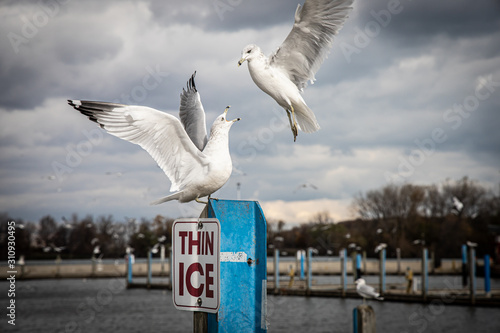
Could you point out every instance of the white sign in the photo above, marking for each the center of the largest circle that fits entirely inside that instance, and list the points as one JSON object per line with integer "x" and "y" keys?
{"x": 196, "y": 264}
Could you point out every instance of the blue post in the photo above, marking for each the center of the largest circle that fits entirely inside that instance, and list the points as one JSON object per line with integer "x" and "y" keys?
{"x": 309, "y": 268}
{"x": 487, "y": 286}
{"x": 472, "y": 273}
{"x": 276, "y": 270}
{"x": 464, "y": 265}
{"x": 358, "y": 266}
{"x": 150, "y": 268}
{"x": 302, "y": 277}
{"x": 355, "y": 320}
{"x": 382, "y": 271}
{"x": 343, "y": 263}
{"x": 425, "y": 273}
{"x": 129, "y": 267}
{"x": 243, "y": 282}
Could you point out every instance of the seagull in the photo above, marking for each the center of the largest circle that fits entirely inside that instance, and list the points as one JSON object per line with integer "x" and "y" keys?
{"x": 380, "y": 247}
{"x": 305, "y": 185}
{"x": 366, "y": 291}
{"x": 285, "y": 74}
{"x": 197, "y": 166}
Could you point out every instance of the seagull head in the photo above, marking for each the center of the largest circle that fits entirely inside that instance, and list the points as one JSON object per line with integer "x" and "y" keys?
{"x": 222, "y": 122}
{"x": 360, "y": 281}
{"x": 248, "y": 53}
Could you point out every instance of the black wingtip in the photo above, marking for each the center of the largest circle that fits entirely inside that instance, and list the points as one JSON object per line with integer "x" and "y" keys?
{"x": 191, "y": 84}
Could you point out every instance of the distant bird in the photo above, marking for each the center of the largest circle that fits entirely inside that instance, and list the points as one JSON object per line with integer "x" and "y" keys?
{"x": 305, "y": 185}
{"x": 380, "y": 247}
{"x": 366, "y": 291}
{"x": 197, "y": 166}
{"x": 471, "y": 244}
{"x": 286, "y": 72}
{"x": 457, "y": 205}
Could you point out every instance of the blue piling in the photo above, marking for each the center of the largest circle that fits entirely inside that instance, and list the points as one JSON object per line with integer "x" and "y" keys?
{"x": 302, "y": 277}
{"x": 309, "y": 269}
{"x": 382, "y": 271}
{"x": 464, "y": 265}
{"x": 425, "y": 273}
{"x": 276, "y": 270}
{"x": 472, "y": 274}
{"x": 129, "y": 268}
{"x": 487, "y": 273}
{"x": 343, "y": 268}
{"x": 355, "y": 320}
{"x": 243, "y": 286}
{"x": 150, "y": 268}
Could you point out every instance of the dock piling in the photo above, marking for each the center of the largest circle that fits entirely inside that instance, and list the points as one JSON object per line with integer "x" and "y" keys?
{"x": 363, "y": 319}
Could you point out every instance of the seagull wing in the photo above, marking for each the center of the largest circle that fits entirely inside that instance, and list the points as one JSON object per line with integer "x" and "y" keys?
{"x": 159, "y": 133}
{"x": 310, "y": 40}
{"x": 367, "y": 291}
{"x": 192, "y": 114}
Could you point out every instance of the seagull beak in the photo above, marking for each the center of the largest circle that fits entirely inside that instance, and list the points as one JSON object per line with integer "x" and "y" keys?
{"x": 242, "y": 60}
{"x": 230, "y": 121}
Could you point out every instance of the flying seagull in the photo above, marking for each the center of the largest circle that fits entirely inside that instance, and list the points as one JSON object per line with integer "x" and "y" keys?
{"x": 285, "y": 73}
{"x": 366, "y": 291}
{"x": 197, "y": 166}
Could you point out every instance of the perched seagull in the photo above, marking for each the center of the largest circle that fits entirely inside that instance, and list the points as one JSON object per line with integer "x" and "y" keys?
{"x": 284, "y": 74}
{"x": 380, "y": 247}
{"x": 366, "y": 291}
{"x": 197, "y": 166}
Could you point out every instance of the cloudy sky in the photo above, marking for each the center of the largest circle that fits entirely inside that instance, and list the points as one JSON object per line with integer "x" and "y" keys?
{"x": 410, "y": 93}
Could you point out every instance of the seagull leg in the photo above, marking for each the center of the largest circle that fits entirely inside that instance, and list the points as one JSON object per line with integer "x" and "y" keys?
{"x": 294, "y": 127}
{"x": 201, "y": 201}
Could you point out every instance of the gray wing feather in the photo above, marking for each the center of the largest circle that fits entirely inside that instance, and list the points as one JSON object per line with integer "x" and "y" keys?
{"x": 192, "y": 114}
{"x": 310, "y": 40}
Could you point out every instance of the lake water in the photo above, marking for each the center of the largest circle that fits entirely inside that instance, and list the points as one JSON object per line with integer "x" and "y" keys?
{"x": 104, "y": 305}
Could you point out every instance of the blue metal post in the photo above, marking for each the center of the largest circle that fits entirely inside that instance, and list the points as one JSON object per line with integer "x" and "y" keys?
{"x": 464, "y": 265}
{"x": 276, "y": 270}
{"x": 129, "y": 267}
{"x": 382, "y": 271}
{"x": 487, "y": 285}
{"x": 343, "y": 268}
{"x": 302, "y": 277}
{"x": 358, "y": 266}
{"x": 355, "y": 320}
{"x": 150, "y": 268}
{"x": 425, "y": 273}
{"x": 243, "y": 283}
{"x": 309, "y": 268}
{"x": 472, "y": 273}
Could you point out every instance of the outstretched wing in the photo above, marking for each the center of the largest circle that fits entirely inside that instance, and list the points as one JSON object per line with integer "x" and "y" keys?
{"x": 192, "y": 114}
{"x": 310, "y": 40}
{"x": 159, "y": 133}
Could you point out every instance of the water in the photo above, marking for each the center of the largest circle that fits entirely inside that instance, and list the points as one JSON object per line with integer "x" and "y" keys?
{"x": 104, "y": 305}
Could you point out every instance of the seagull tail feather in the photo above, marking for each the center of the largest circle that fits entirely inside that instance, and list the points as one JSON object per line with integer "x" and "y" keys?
{"x": 306, "y": 118}
{"x": 174, "y": 196}
{"x": 380, "y": 298}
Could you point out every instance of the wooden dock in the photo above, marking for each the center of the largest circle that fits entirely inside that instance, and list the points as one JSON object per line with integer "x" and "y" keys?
{"x": 395, "y": 293}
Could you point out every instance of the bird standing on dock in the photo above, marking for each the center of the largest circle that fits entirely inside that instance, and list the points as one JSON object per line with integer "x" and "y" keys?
{"x": 196, "y": 165}
{"x": 285, "y": 73}
{"x": 366, "y": 291}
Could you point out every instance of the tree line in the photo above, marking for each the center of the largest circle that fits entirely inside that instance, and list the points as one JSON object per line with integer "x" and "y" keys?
{"x": 441, "y": 216}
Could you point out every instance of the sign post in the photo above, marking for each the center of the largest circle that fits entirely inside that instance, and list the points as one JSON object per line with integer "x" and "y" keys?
{"x": 196, "y": 264}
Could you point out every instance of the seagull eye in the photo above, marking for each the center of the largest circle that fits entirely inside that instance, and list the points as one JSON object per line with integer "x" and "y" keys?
{"x": 221, "y": 119}
{"x": 249, "y": 51}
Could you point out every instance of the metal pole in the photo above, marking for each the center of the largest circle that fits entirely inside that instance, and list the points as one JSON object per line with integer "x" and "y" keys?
{"x": 472, "y": 275}
{"x": 364, "y": 263}
{"x": 425, "y": 278}
{"x": 276, "y": 270}
{"x": 398, "y": 255}
{"x": 309, "y": 270}
{"x": 302, "y": 254}
{"x": 487, "y": 286}
{"x": 129, "y": 269}
{"x": 162, "y": 258}
{"x": 382, "y": 271}
{"x": 150, "y": 268}
{"x": 343, "y": 268}
{"x": 464, "y": 266}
